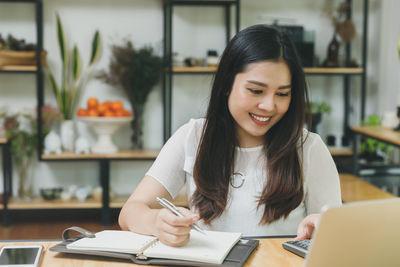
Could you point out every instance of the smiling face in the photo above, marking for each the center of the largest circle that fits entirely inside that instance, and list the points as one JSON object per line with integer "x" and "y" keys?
{"x": 259, "y": 98}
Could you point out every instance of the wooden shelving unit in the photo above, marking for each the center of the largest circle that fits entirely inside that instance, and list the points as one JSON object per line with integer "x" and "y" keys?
{"x": 338, "y": 71}
{"x": 122, "y": 154}
{"x": 40, "y": 203}
{"x": 104, "y": 159}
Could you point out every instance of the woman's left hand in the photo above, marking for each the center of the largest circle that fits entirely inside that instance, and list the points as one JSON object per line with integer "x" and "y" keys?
{"x": 307, "y": 226}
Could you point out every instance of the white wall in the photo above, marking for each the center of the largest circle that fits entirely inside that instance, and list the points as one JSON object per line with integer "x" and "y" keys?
{"x": 196, "y": 29}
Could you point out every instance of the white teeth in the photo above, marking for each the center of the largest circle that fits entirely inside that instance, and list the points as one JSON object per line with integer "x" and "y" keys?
{"x": 263, "y": 119}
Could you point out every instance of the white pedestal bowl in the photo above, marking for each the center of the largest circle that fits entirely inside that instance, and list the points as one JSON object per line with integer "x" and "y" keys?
{"x": 105, "y": 127}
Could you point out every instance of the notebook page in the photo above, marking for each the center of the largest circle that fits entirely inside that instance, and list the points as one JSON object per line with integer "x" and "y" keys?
{"x": 210, "y": 248}
{"x": 114, "y": 241}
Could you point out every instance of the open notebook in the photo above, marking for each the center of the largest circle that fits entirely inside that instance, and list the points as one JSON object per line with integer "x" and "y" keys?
{"x": 210, "y": 248}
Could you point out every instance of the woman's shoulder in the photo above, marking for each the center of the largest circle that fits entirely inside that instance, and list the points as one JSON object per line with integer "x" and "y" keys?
{"x": 191, "y": 127}
{"x": 311, "y": 139}
{"x": 189, "y": 134}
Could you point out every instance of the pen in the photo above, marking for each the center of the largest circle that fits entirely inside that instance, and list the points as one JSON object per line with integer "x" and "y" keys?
{"x": 168, "y": 205}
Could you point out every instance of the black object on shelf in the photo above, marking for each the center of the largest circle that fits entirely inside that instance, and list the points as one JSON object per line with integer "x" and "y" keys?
{"x": 331, "y": 140}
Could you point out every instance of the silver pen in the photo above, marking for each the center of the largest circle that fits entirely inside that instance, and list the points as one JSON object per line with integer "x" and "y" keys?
{"x": 168, "y": 205}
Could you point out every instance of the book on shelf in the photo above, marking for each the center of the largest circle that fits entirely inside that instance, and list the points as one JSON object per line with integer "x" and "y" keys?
{"x": 210, "y": 249}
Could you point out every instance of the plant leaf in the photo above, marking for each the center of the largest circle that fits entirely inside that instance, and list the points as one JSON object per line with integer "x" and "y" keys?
{"x": 96, "y": 48}
{"x": 56, "y": 90}
{"x": 76, "y": 63}
{"x": 65, "y": 109}
{"x": 61, "y": 41}
{"x": 398, "y": 46}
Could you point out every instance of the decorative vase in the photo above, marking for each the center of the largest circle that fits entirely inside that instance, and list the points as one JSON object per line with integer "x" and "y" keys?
{"x": 67, "y": 134}
{"x": 25, "y": 175}
{"x": 137, "y": 127}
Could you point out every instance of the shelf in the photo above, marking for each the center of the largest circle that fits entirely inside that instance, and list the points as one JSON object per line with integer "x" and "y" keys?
{"x": 122, "y": 154}
{"x": 340, "y": 151}
{"x": 18, "y": 69}
{"x": 194, "y": 69}
{"x": 39, "y": 203}
{"x": 22, "y": 1}
{"x": 338, "y": 71}
{"x": 204, "y": 2}
{"x": 3, "y": 140}
{"x": 118, "y": 201}
{"x": 329, "y": 71}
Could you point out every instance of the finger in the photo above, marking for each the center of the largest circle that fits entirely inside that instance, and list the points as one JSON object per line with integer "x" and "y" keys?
{"x": 175, "y": 230}
{"x": 187, "y": 213}
{"x": 172, "y": 219}
{"x": 301, "y": 236}
{"x": 173, "y": 240}
{"x": 305, "y": 232}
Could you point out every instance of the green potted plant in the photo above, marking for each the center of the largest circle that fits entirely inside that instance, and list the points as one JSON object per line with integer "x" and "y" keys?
{"x": 68, "y": 90}
{"x": 370, "y": 148}
{"x": 317, "y": 109}
{"x": 136, "y": 71}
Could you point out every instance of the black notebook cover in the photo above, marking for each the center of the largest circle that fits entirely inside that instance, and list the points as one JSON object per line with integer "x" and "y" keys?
{"x": 235, "y": 258}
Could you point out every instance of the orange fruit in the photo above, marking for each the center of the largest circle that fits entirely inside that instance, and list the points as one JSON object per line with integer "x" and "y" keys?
{"x": 102, "y": 108}
{"x": 81, "y": 112}
{"x": 92, "y": 103}
{"x": 127, "y": 113}
{"x": 107, "y": 104}
{"x": 119, "y": 113}
{"x": 109, "y": 113}
{"x": 93, "y": 113}
{"x": 117, "y": 105}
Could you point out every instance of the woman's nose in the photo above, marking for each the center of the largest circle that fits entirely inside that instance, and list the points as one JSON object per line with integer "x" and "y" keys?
{"x": 267, "y": 103}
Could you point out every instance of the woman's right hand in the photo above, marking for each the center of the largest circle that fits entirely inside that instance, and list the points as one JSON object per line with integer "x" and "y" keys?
{"x": 173, "y": 230}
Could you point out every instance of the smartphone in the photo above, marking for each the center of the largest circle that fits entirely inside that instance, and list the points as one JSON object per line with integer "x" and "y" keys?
{"x": 20, "y": 256}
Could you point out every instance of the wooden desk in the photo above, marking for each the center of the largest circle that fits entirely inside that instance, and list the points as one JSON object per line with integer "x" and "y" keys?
{"x": 269, "y": 253}
{"x": 356, "y": 189}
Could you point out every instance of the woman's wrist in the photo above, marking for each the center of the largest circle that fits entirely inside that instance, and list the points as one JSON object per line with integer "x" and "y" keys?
{"x": 152, "y": 221}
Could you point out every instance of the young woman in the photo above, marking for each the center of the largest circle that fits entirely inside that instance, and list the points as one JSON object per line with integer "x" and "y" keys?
{"x": 249, "y": 166}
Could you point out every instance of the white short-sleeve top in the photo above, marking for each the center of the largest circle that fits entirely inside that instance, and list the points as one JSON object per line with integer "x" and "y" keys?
{"x": 173, "y": 168}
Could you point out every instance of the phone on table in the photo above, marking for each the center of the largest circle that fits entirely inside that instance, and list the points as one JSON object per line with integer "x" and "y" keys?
{"x": 20, "y": 256}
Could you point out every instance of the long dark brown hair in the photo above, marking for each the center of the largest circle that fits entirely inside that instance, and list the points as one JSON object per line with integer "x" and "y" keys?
{"x": 283, "y": 190}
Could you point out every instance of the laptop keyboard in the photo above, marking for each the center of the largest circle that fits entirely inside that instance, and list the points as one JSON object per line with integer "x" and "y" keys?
{"x": 299, "y": 247}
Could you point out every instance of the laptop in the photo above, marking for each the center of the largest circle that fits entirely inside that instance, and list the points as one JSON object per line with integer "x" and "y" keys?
{"x": 356, "y": 234}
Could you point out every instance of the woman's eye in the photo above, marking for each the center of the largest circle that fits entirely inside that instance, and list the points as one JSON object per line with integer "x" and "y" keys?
{"x": 282, "y": 94}
{"x": 255, "y": 91}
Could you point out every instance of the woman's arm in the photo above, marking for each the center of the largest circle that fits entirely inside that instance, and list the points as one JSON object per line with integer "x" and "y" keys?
{"x": 142, "y": 214}
{"x": 322, "y": 184}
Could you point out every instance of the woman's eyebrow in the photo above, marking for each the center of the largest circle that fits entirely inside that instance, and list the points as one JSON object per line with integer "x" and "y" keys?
{"x": 265, "y": 85}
